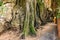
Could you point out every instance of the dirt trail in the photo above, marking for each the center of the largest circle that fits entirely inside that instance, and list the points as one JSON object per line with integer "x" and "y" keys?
{"x": 14, "y": 35}
{"x": 9, "y": 35}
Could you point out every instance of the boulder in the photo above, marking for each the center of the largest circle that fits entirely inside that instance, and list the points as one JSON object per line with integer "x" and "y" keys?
{"x": 5, "y": 14}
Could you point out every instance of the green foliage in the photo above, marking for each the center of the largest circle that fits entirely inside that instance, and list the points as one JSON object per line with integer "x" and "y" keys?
{"x": 58, "y": 8}
{"x": 58, "y": 16}
{"x": 1, "y": 3}
{"x": 3, "y": 9}
{"x": 58, "y": 2}
{"x": 58, "y": 12}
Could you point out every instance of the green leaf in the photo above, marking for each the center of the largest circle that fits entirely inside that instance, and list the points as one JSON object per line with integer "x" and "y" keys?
{"x": 1, "y": 3}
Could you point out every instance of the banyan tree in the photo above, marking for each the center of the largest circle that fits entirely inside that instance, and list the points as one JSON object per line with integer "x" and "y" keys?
{"x": 27, "y": 15}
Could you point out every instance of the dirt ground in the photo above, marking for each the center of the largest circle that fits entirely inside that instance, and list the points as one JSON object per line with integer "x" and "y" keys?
{"x": 14, "y": 35}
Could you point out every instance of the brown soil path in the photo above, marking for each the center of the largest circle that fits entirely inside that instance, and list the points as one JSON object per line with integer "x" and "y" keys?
{"x": 14, "y": 35}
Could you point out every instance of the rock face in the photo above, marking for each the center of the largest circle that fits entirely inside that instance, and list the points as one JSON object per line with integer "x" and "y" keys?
{"x": 8, "y": 11}
{"x": 1, "y": 25}
{"x": 11, "y": 13}
{"x": 18, "y": 17}
{"x": 5, "y": 14}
